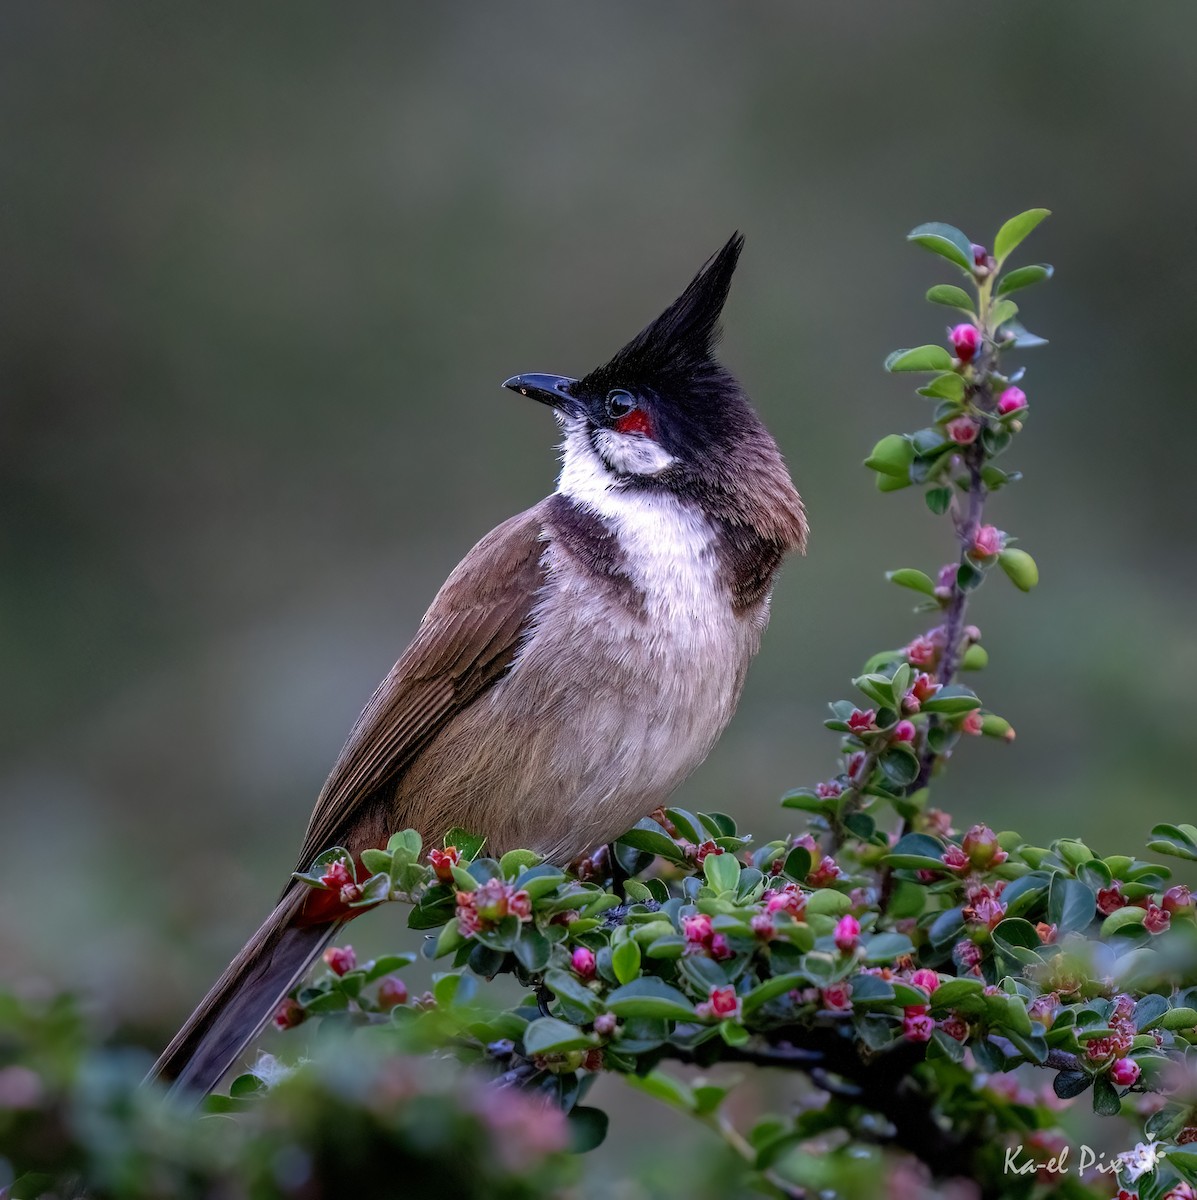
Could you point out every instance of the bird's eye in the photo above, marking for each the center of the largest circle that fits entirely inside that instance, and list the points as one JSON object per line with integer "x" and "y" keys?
{"x": 619, "y": 404}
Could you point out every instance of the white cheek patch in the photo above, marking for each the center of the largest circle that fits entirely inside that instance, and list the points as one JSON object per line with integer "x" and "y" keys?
{"x": 632, "y": 453}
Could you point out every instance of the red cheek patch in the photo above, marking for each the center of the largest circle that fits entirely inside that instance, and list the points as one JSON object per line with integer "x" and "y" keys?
{"x": 635, "y": 422}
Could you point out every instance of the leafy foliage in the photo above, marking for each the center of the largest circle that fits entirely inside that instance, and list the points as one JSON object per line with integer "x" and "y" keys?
{"x": 905, "y": 967}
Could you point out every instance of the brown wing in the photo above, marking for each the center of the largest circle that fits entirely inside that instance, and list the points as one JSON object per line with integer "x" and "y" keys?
{"x": 465, "y": 643}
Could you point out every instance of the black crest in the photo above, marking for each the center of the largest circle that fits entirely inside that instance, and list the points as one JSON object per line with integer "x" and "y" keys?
{"x": 680, "y": 343}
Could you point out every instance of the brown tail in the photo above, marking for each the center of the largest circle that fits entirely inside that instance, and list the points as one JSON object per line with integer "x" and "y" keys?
{"x": 243, "y": 999}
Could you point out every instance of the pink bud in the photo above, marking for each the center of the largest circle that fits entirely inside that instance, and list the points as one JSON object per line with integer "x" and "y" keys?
{"x": 1156, "y": 919}
{"x": 582, "y": 961}
{"x": 972, "y": 724}
{"x": 1178, "y": 899}
{"x": 340, "y": 959}
{"x": 981, "y": 846}
{"x": 922, "y": 652}
{"x": 708, "y": 847}
{"x": 605, "y": 1024}
{"x": 443, "y": 862}
{"x": 392, "y": 992}
{"x": 918, "y": 1028}
{"x": 721, "y": 1003}
{"x": 926, "y": 979}
{"x": 963, "y": 430}
{"x": 847, "y": 934}
{"x": 967, "y": 954}
{"x": 288, "y": 1014}
{"x": 697, "y": 928}
{"x": 1124, "y": 1072}
{"x": 988, "y": 542}
{"x": 980, "y": 255}
{"x": 337, "y": 875}
{"x": 904, "y": 731}
{"x": 762, "y": 925}
{"x": 965, "y": 341}
{"x": 826, "y": 872}
{"x": 1011, "y": 400}
{"x": 719, "y": 948}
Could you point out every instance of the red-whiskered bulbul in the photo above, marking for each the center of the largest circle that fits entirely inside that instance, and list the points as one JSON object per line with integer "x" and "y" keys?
{"x": 579, "y": 662}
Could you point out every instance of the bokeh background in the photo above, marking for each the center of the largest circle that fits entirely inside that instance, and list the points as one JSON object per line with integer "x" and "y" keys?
{"x": 265, "y": 267}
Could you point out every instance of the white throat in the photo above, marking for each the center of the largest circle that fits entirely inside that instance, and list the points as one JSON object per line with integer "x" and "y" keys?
{"x": 667, "y": 542}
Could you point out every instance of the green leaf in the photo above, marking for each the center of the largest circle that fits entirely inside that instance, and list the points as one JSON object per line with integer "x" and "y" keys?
{"x": 1002, "y": 311}
{"x": 548, "y": 1035}
{"x": 1014, "y": 230}
{"x": 1122, "y": 919}
{"x": 722, "y": 872}
{"x": 1020, "y": 567}
{"x": 650, "y": 997}
{"x": 952, "y": 700}
{"x": 1024, "y": 339}
{"x": 569, "y": 988}
{"x": 798, "y": 864}
{"x": 648, "y": 836}
{"x": 890, "y": 483}
{"x": 587, "y": 1128}
{"x": 470, "y": 844}
{"x": 885, "y": 947}
{"x": 1018, "y": 940}
{"x": 1068, "y": 1084}
{"x": 1179, "y": 841}
{"x": 945, "y": 240}
{"x": 776, "y": 986}
{"x": 900, "y": 765}
{"x": 1105, "y": 1098}
{"x": 1070, "y": 904}
{"x": 515, "y": 861}
{"x": 952, "y": 992}
{"x": 917, "y": 850}
{"x": 908, "y": 577}
{"x": 938, "y": 499}
{"x": 1179, "y": 1018}
{"x": 625, "y": 961}
{"x": 921, "y": 358}
{"x": 950, "y": 295}
{"x": 892, "y": 457}
{"x": 1148, "y": 1012}
{"x": 665, "y": 1088}
{"x": 948, "y": 386}
{"x": 376, "y": 860}
{"x": 1023, "y": 277}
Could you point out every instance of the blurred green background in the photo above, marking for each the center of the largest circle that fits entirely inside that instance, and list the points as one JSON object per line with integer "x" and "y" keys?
{"x": 265, "y": 267}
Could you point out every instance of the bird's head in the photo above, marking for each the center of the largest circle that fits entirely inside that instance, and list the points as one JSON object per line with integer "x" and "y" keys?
{"x": 664, "y": 413}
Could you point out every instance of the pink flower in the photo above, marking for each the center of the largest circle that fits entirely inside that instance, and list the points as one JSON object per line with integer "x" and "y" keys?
{"x": 965, "y": 341}
{"x": 722, "y": 1003}
{"x": 488, "y": 904}
{"x": 955, "y": 859}
{"x": 288, "y": 1014}
{"x": 955, "y": 1027}
{"x": 862, "y": 722}
{"x": 967, "y": 954}
{"x": 855, "y": 764}
{"x": 697, "y": 928}
{"x": 1043, "y": 1009}
{"x": 340, "y": 959}
{"x": 392, "y": 992}
{"x": 605, "y": 1024}
{"x": 829, "y": 790}
{"x": 918, "y": 1027}
{"x": 708, "y": 847}
{"x": 838, "y": 997}
{"x": 1157, "y": 919}
{"x": 973, "y": 724}
{"x": 980, "y": 255}
{"x": 1177, "y": 899}
{"x": 847, "y": 934}
{"x": 1124, "y": 1072}
{"x": 924, "y": 687}
{"x": 1111, "y": 899}
{"x": 1098, "y": 1048}
{"x": 904, "y": 731}
{"x": 984, "y": 906}
{"x": 981, "y": 846}
{"x": 987, "y": 543}
{"x": 791, "y": 899}
{"x": 963, "y": 430}
{"x": 922, "y": 652}
{"x": 1011, "y": 400}
{"x": 1124, "y": 1007}
{"x": 937, "y": 822}
{"x": 583, "y": 963}
{"x": 720, "y": 950}
{"x": 1047, "y": 933}
{"x": 337, "y": 875}
{"x": 443, "y": 862}
{"x": 926, "y": 979}
{"x": 825, "y": 873}
{"x": 1182, "y": 1191}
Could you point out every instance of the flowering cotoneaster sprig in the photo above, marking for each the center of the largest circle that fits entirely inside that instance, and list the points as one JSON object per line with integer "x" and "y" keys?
{"x": 918, "y": 974}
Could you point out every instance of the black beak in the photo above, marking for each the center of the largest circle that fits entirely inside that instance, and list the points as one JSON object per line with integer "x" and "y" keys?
{"x": 553, "y": 390}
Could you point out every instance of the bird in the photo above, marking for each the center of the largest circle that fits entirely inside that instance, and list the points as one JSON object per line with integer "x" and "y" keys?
{"x": 575, "y": 667}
